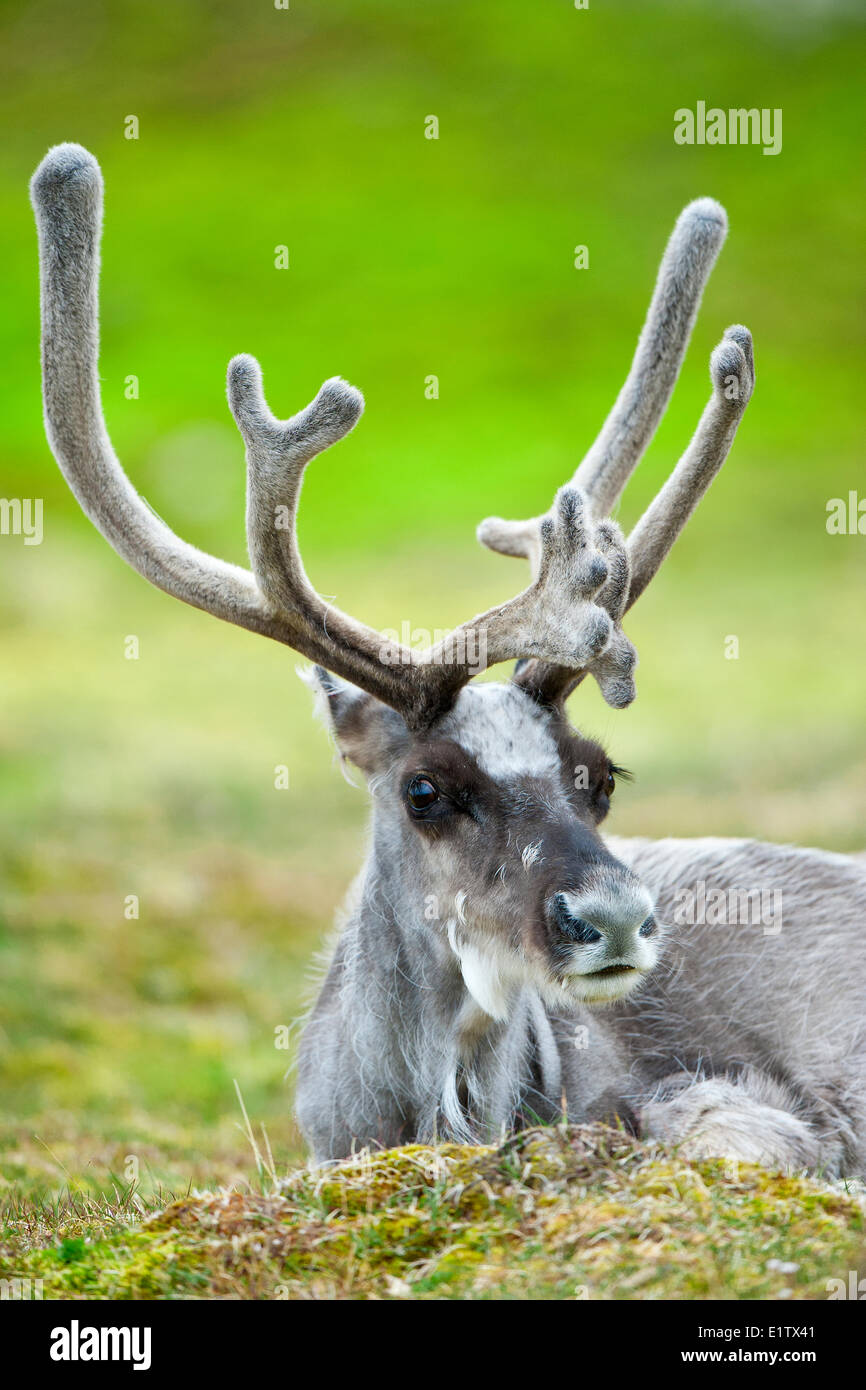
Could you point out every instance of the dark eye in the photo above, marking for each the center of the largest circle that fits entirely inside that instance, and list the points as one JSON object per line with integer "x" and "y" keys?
{"x": 421, "y": 793}
{"x": 614, "y": 772}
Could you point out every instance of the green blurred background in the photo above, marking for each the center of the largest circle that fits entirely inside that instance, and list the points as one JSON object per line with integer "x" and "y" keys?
{"x": 409, "y": 257}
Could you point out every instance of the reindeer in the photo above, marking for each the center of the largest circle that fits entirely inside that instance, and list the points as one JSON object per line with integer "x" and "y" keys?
{"x": 491, "y": 919}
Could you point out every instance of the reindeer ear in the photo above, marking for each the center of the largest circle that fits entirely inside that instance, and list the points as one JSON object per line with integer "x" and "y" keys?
{"x": 367, "y": 732}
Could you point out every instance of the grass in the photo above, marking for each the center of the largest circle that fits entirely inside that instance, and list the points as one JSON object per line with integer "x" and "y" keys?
{"x": 572, "y": 1212}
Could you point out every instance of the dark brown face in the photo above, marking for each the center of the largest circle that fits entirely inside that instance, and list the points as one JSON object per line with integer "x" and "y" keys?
{"x": 501, "y": 802}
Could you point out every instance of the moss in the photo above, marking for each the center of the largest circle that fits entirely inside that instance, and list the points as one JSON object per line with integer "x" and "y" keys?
{"x": 566, "y": 1212}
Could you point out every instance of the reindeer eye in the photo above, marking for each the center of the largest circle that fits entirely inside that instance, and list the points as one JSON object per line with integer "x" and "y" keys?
{"x": 421, "y": 793}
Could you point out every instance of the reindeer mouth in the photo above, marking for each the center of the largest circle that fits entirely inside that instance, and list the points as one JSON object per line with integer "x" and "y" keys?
{"x": 606, "y": 985}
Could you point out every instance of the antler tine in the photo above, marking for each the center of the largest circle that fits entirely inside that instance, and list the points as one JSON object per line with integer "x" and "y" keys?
{"x": 555, "y": 619}
{"x": 277, "y": 454}
{"x": 732, "y": 372}
{"x": 689, "y": 257}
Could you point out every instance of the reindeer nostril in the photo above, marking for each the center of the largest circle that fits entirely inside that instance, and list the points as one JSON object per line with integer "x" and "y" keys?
{"x": 574, "y": 928}
{"x": 648, "y": 928}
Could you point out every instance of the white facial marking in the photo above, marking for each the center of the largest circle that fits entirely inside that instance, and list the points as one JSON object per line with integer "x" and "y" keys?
{"x": 506, "y": 734}
{"x": 480, "y": 976}
{"x": 531, "y": 855}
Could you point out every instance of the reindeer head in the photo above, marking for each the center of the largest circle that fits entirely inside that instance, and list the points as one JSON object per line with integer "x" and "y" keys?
{"x": 488, "y": 824}
{"x": 483, "y": 793}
